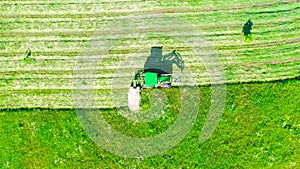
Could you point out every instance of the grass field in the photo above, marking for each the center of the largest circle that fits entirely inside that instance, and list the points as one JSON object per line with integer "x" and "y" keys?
{"x": 260, "y": 125}
{"x": 259, "y": 129}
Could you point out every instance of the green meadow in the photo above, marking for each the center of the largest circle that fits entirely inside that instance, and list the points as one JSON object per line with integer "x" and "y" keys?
{"x": 260, "y": 126}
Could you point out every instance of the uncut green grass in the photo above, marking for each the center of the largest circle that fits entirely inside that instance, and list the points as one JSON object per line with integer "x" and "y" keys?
{"x": 260, "y": 128}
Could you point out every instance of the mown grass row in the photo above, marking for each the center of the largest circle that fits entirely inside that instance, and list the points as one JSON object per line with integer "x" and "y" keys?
{"x": 56, "y": 37}
{"x": 87, "y": 28}
{"x": 117, "y": 8}
{"x": 80, "y": 43}
{"x": 58, "y": 67}
{"x": 64, "y": 69}
{"x": 205, "y": 18}
{"x": 58, "y": 92}
{"x": 262, "y": 32}
{"x": 223, "y": 47}
{"x": 68, "y": 32}
{"x": 69, "y": 55}
{"x": 47, "y": 98}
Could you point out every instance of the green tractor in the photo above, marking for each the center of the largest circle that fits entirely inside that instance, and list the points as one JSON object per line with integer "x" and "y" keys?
{"x": 157, "y": 72}
{"x": 158, "y": 69}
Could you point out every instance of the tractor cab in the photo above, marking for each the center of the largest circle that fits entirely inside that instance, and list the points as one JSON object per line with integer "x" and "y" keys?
{"x": 153, "y": 79}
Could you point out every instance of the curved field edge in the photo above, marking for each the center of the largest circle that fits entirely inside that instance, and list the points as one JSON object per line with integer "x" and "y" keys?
{"x": 260, "y": 128}
{"x": 63, "y": 98}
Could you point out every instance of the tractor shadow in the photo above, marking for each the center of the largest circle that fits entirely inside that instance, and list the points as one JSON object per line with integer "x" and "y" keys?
{"x": 158, "y": 69}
